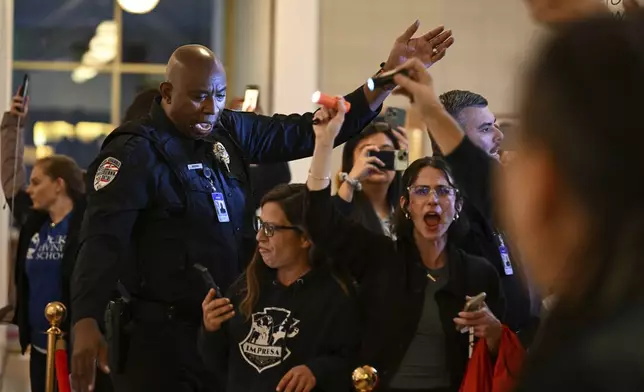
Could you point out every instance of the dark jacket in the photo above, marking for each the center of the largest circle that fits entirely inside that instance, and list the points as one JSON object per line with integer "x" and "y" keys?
{"x": 472, "y": 169}
{"x": 144, "y": 185}
{"x": 318, "y": 327}
{"x": 602, "y": 356}
{"x": 392, "y": 287}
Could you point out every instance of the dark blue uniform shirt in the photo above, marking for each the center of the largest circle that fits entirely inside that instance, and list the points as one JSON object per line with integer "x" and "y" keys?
{"x": 151, "y": 215}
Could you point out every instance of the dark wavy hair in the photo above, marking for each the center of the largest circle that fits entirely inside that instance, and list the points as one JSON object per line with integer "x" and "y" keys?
{"x": 405, "y": 227}
{"x": 363, "y": 211}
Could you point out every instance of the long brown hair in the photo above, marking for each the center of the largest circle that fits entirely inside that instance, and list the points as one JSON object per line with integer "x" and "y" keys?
{"x": 290, "y": 198}
{"x": 64, "y": 167}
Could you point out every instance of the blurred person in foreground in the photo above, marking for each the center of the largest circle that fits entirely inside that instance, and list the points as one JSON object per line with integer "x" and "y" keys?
{"x": 572, "y": 199}
{"x": 171, "y": 191}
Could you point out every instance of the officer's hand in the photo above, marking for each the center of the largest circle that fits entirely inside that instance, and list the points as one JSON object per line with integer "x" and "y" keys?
{"x": 90, "y": 350}
{"x": 216, "y": 311}
{"x": 298, "y": 379}
{"x": 330, "y": 122}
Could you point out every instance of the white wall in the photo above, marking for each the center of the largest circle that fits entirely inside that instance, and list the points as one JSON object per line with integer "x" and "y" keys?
{"x": 296, "y": 66}
{"x": 351, "y": 38}
{"x": 491, "y": 38}
{"x": 251, "y": 28}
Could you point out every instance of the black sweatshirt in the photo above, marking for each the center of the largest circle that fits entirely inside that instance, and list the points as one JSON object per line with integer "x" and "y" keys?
{"x": 312, "y": 322}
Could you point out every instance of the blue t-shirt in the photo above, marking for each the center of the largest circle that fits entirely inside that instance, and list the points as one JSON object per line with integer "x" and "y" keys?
{"x": 43, "y": 265}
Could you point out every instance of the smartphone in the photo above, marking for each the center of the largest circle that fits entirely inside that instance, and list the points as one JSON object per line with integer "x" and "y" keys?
{"x": 208, "y": 280}
{"x": 24, "y": 87}
{"x": 251, "y": 98}
{"x": 394, "y": 160}
{"x": 475, "y": 303}
{"x": 395, "y": 117}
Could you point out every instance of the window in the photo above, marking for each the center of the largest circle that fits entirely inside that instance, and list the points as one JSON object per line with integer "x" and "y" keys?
{"x": 87, "y": 60}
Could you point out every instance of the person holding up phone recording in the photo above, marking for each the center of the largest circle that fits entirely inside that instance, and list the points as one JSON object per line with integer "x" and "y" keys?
{"x": 289, "y": 324}
{"x": 369, "y": 191}
{"x": 414, "y": 289}
{"x": 49, "y": 211}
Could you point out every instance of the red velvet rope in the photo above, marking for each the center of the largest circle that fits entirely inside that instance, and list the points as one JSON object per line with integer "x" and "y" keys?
{"x": 62, "y": 370}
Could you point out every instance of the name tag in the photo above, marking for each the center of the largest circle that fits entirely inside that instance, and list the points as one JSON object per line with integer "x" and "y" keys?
{"x": 505, "y": 258}
{"x": 220, "y": 207}
{"x": 195, "y": 166}
{"x": 505, "y": 255}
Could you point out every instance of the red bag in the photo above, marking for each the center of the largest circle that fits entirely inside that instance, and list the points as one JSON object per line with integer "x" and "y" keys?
{"x": 480, "y": 375}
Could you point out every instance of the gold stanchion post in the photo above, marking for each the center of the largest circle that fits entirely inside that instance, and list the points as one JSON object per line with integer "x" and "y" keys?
{"x": 55, "y": 313}
{"x": 365, "y": 379}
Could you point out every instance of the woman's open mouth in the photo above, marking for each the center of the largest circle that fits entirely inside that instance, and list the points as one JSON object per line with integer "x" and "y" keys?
{"x": 432, "y": 219}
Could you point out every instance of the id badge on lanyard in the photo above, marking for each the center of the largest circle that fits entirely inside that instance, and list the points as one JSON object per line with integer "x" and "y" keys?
{"x": 217, "y": 198}
{"x": 505, "y": 255}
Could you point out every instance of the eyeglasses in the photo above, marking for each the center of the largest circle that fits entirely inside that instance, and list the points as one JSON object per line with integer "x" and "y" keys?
{"x": 269, "y": 229}
{"x": 424, "y": 191}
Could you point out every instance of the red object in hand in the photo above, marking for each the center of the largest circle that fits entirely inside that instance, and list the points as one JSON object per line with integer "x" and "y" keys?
{"x": 329, "y": 101}
{"x": 62, "y": 370}
{"x": 484, "y": 376}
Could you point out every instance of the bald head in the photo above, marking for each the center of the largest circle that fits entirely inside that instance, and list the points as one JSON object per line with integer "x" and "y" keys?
{"x": 191, "y": 58}
{"x": 194, "y": 92}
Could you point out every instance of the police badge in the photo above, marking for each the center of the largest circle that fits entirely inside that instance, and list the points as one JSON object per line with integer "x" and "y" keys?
{"x": 221, "y": 154}
{"x": 106, "y": 172}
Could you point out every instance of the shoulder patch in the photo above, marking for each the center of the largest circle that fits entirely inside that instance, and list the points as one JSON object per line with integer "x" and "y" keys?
{"x": 106, "y": 172}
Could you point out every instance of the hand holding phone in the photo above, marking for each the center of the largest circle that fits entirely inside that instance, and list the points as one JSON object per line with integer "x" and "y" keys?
{"x": 20, "y": 102}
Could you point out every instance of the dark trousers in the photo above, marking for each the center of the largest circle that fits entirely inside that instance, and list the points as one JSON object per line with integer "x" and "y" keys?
{"x": 37, "y": 370}
{"x": 163, "y": 356}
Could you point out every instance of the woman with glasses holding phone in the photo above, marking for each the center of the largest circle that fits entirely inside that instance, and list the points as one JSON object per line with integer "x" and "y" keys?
{"x": 289, "y": 323}
{"x": 413, "y": 289}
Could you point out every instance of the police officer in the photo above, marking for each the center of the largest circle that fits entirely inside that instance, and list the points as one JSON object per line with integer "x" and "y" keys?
{"x": 170, "y": 191}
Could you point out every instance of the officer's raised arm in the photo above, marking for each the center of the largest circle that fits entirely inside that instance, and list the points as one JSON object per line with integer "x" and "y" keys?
{"x": 118, "y": 187}
{"x": 283, "y": 138}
